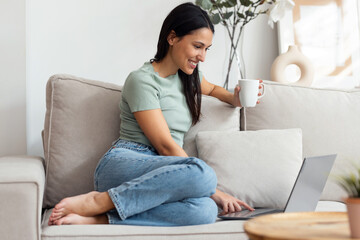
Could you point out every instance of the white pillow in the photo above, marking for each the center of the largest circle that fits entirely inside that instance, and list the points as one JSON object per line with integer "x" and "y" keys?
{"x": 215, "y": 116}
{"x": 329, "y": 119}
{"x": 258, "y": 167}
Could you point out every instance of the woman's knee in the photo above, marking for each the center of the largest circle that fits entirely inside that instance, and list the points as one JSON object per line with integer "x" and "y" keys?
{"x": 106, "y": 174}
{"x": 207, "y": 177}
{"x": 205, "y": 212}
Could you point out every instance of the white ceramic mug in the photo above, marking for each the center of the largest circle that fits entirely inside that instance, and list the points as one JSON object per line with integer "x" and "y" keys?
{"x": 249, "y": 90}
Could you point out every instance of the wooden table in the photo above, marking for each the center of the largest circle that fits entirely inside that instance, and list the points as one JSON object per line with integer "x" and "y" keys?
{"x": 306, "y": 225}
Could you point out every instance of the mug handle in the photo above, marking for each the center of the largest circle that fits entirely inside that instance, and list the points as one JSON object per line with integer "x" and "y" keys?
{"x": 263, "y": 90}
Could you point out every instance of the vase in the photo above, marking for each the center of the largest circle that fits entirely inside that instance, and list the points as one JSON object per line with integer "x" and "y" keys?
{"x": 292, "y": 56}
{"x": 353, "y": 210}
{"x": 235, "y": 64}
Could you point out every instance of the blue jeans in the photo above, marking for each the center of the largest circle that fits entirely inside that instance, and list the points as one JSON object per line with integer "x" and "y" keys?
{"x": 149, "y": 189}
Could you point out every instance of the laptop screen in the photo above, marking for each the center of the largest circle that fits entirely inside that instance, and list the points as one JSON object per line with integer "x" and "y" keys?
{"x": 310, "y": 183}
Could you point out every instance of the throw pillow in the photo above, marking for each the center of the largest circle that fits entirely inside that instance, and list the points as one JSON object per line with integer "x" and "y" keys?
{"x": 215, "y": 116}
{"x": 82, "y": 120}
{"x": 258, "y": 167}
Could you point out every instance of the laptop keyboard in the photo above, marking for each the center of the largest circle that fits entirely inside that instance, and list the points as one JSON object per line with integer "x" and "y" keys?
{"x": 257, "y": 212}
{"x": 250, "y": 214}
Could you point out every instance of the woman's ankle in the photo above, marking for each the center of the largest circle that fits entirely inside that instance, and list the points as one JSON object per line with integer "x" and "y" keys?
{"x": 104, "y": 202}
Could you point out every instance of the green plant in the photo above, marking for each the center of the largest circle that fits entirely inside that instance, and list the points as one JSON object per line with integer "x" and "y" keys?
{"x": 235, "y": 14}
{"x": 350, "y": 183}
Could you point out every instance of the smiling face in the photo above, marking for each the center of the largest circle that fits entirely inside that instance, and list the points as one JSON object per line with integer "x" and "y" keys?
{"x": 187, "y": 51}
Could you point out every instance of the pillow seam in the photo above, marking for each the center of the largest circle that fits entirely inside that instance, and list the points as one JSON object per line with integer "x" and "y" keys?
{"x": 49, "y": 136}
{"x": 87, "y": 83}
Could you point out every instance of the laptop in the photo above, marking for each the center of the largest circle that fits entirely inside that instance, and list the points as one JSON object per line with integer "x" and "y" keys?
{"x": 306, "y": 191}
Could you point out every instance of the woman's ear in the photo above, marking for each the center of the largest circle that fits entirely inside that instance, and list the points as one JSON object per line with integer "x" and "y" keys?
{"x": 171, "y": 37}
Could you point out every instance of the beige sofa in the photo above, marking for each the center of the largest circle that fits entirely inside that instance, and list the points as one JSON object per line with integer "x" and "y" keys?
{"x": 82, "y": 120}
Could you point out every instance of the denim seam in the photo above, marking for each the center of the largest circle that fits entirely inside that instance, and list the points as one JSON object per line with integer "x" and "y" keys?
{"x": 96, "y": 184}
{"x": 133, "y": 148}
{"x": 110, "y": 218}
{"x": 133, "y": 145}
{"x": 116, "y": 203}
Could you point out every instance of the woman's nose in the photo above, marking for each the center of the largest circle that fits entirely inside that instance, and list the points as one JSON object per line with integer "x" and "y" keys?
{"x": 201, "y": 56}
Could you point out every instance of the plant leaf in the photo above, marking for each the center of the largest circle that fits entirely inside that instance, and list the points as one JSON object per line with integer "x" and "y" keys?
{"x": 350, "y": 183}
{"x": 199, "y": 3}
{"x": 215, "y": 19}
{"x": 246, "y": 3}
{"x": 228, "y": 15}
{"x": 205, "y": 4}
{"x": 232, "y": 2}
{"x": 240, "y": 15}
{"x": 344, "y": 184}
{"x": 227, "y": 5}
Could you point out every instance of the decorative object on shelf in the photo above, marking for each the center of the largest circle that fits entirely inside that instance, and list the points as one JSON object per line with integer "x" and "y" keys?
{"x": 332, "y": 44}
{"x": 292, "y": 56}
{"x": 351, "y": 184}
{"x": 234, "y": 13}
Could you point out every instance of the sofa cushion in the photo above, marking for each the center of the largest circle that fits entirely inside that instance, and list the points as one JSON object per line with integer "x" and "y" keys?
{"x": 329, "y": 119}
{"x": 219, "y": 230}
{"x": 82, "y": 120}
{"x": 215, "y": 116}
{"x": 258, "y": 167}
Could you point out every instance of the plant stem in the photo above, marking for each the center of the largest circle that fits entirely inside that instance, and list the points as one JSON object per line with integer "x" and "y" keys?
{"x": 232, "y": 31}
{"x": 231, "y": 36}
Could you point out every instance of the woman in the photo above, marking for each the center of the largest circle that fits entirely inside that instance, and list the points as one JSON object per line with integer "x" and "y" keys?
{"x": 146, "y": 178}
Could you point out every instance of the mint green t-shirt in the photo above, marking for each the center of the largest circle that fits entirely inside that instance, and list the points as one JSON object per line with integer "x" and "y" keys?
{"x": 143, "y": 90}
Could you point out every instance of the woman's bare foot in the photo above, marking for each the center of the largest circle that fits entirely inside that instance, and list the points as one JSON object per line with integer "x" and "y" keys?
{"x": 73, "y": 218}
{"x": 87, "y": 205}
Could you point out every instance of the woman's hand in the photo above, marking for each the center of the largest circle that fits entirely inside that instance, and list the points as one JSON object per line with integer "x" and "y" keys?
{"x": 229, "y": 204}
{"x": 236, "y": 99}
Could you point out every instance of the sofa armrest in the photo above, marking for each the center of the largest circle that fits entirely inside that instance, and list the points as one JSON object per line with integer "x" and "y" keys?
{"x": 22, "y": 180}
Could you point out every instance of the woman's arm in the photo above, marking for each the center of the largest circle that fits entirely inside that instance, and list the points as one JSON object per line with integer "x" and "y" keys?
{"x": 155, "y": 128}
{"x": 225, "y": 201}
{"x": 221, "y": 93}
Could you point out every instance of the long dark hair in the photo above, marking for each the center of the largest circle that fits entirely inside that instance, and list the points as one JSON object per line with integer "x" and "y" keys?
{"x": 184, "y": 19}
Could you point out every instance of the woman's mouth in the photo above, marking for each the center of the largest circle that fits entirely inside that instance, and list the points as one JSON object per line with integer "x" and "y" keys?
{"x": 192, "y": 64}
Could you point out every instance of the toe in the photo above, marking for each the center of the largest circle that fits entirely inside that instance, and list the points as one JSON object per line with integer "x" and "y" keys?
{"x": 53, "y": 218}
{"x": 58, "y": 222}
{"x": 59, "y": 211}
{"x": 54, "y": 214}
{"x": 61, "y": 204}
{"x": 51, "y": 222}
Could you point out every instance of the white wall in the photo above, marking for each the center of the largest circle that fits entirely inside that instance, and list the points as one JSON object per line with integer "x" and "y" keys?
{"x": 12, "y": 77}
{"x": 106, "y": 39}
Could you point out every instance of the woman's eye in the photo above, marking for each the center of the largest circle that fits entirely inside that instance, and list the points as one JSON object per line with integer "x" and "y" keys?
{"x": 197, "y": 47}
{"x": 207, "y": 49}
